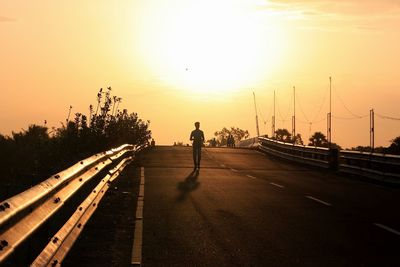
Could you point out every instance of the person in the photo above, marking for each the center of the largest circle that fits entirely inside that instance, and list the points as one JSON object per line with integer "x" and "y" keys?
{"x": 230, "y": 141}
{"x": 214, "y": 142}
{"x": 197, "y": 136}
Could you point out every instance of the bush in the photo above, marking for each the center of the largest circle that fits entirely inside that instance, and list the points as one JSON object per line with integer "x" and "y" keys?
{"x": 32, "y": 155}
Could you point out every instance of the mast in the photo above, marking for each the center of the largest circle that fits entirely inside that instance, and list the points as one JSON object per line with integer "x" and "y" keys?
{"x": 294, "y": 115}
{"x": 255, "y": 107}
{"x": 273, "y": 120}
{"x": 329, "y": 118}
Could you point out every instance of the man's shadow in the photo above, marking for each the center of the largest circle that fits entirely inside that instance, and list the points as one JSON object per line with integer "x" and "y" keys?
{"x": 189, "y": 184}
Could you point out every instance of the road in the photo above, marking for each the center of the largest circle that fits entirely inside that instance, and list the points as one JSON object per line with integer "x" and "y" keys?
{"x": 244, "y": 208}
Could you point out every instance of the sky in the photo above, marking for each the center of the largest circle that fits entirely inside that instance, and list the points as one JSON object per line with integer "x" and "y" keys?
{"x": 178, "y": 61}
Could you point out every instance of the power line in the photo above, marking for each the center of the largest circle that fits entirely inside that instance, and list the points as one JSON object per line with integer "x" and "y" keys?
{"x": 322, "y": 105}
{"x": 288, "y": 112}
{"x": 345, "y": 106}
{"x": 350, "y": 118}
{"x": 387, "y": 117}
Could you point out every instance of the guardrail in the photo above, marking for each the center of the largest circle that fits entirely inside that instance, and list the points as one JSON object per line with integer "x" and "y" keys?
{"x": 251, "y": 142}
{"x": 373, "y": 165}
{"x": 377, "y": 166}
{"x": 22, "y": 214}
{"x": 316, "y": 156}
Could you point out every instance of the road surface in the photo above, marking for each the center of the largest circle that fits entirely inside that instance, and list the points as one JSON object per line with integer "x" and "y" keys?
{"x": 244, "y": 208}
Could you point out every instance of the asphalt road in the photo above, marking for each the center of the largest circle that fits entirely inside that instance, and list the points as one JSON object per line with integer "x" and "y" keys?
{"x": 245, "y": 209}
{"x": 242, "y": 208}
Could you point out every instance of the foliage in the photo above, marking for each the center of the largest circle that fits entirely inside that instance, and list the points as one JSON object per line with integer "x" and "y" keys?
{"x": 283, "y": 135}
{"x": 222, "y": 136}
{"x": 318, "y": 139}
{"x": 394, "y": 147}
{"x": 298, "y": 140}
{"x": 29, "y": 156}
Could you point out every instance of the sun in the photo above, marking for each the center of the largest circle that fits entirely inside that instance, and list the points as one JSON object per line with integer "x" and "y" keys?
{"x": 210, "y": 46}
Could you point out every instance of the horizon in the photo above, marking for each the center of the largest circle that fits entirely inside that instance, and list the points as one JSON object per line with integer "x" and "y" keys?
{"x": 183, "y": 61}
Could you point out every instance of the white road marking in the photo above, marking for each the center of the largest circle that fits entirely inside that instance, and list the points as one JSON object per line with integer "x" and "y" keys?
{"x": 234, "y": 170}
{"x": 277, "y": 185}
{"x": 250, "y": 176}
{"x": 387, "y": 228}
{"x": 136, "y": 257}
{"x": 319, "y": 200}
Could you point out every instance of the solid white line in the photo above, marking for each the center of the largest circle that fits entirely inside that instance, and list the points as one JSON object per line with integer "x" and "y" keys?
{"x": 278, "y": 185}
{"x": 387, "y": 228}
{"x": 319, "y": 200}
{"x": 248, "y": 175}
{"x": 136, "y": 257}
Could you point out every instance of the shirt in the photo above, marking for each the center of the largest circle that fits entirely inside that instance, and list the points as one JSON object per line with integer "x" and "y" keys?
{"x": 197, "y": 136}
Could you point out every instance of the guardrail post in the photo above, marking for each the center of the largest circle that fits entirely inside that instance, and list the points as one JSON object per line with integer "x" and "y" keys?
{"x": 333, "y": 158}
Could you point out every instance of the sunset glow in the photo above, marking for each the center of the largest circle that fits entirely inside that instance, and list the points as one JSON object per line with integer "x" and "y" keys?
{"x": 175, "y": 62}
{"x": 211, "y": 45}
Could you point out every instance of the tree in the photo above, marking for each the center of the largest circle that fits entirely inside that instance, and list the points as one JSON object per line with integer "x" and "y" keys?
{"x": 298, "y": 140}
{"x": 283, "y": 135}
{"x": 318, "y": 139}
{"x": 394, "y": 147}
{"x": 237, "y": 133}
{"x": 29, "y": 156}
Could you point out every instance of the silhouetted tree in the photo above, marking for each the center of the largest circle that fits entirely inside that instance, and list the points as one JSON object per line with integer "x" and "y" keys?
{"x": 32, "y": 155}
{"x": 394, "y": 147}
{"x": 283, "y": 135}
{"x": 318, "y": 139}
{"x": 237, "y": 133}
{"x": 298, "y": 140}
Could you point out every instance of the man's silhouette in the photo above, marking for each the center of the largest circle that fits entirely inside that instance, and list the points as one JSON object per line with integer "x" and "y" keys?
{"x": 197, "y": 136}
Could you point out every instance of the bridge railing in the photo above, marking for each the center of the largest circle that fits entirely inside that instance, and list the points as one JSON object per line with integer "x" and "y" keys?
{"x": 378, "y": 166}
{"x": 250, "y": 143}
{"x": 316, "y": 156}
{"x": 24, "y": 213}
{"x": 372, "y": 165}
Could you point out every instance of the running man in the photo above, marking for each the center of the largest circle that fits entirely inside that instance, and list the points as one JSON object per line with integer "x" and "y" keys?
{"x": 197, "y": 136}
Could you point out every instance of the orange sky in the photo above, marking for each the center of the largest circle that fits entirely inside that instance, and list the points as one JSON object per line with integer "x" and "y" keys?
{"x": 178, "y": 61}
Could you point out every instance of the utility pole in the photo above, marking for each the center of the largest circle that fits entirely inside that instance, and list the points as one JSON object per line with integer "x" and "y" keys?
{"x": 329, "y": 117}
{"x": 372, "y": 129}
{"x": 255, "y": 107}
{"x": 294, "y": 116}
{"x": 273, "y": 120}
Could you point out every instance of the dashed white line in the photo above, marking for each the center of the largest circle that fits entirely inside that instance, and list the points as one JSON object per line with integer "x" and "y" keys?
{"x": 222, "y": 165}
{"x": 387, "y": 228}
{"x": 234, "y": 170}
{"x": 250, "y": 176}
{"x": 277, "y": 185}
{"x": 319, "y": 200}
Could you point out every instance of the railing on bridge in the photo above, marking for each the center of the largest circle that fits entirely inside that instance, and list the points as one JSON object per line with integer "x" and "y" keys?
{"x": 316, "y": 156}
{"x": 24, "y": 213}
{"x": 373, "y": 165}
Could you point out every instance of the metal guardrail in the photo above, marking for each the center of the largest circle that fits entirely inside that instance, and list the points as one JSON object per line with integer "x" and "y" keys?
{"x": 60, "y": 244}
{"x": 22, "y": 214}
{"x": 372, "y": 165}
{"x": 251, "y": 142}
{"x": 377, "y": 166}
{"x": 316, "y": 156}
